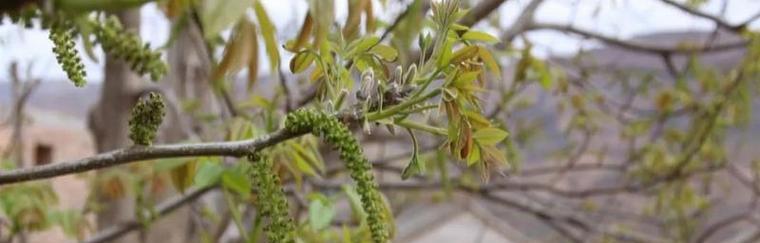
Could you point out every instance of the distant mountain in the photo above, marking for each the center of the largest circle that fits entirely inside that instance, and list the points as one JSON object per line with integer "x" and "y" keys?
{"x": 57, "y": 96}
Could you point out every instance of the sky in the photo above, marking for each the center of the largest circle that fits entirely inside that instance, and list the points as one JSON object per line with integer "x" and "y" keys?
{"x": 617, "y": 18}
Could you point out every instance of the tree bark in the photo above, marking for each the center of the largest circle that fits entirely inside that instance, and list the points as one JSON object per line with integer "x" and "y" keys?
{"x": 187, "y": 81}
{"x": 108, "y": 122}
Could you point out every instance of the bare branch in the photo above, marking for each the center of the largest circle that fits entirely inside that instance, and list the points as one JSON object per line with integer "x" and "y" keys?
{"x": 133, "y": 154}
{"x": 524, "y": 21}
{"x": 480, "y": 11}
{"x": 163, "y": 209}
{"x": 660, "y": 50}
{"x": 715, "y": 19}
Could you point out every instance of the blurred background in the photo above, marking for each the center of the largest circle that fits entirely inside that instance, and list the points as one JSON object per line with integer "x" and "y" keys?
{"x": 578, "y": 137}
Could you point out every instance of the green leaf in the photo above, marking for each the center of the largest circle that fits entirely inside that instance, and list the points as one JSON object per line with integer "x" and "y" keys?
{"x": 302, "y": 165}
{"x": 388, "y": 53}
{"x": 321, "y": 213}
{"x": 310, "y": 156}
{"x": 446, "y": 53}
{"x": 474, "y": 35}
{"x": 490, "y": 136}
{"x": 361, "y": 45}
{"x": 414, "y": 167}
{"x": 465, "y": 79}
{"x": 268, "y": 33}
{"x": 355, "y": 201}
{"x": 237, "y": 181}
{"x": 208, "y": 174}
{"x": 544, "y": 76}
{"x": 218, "y": 15}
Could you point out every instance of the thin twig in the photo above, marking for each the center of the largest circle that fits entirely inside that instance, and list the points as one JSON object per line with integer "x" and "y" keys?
{"x": 115, "y": 231}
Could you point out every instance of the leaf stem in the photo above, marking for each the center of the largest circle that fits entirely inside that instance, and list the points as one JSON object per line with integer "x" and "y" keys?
{"x": 422, "y": 127}
{"x": 400, "y": 107}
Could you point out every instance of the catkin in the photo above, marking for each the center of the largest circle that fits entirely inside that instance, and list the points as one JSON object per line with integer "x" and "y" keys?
{"x": 271, "y": 200}
{"x": 336, "y": 133}
{"x": 66, "y": 54}
{"x": 127, "y": 46}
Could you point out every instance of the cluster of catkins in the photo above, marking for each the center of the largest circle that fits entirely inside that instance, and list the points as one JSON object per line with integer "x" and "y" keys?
{"x": 336, "y": 133}
{"x": 145, "y": 119}
{"x": 127, "y": 46}
{"x": 271, "y": 201}
{"x": 66, "y": 53}
{"x": 114, "y": 39}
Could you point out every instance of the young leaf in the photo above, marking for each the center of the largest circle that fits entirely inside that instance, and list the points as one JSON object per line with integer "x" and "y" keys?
{"x": 490, "y": 62}
{"x": 241, "y": 50}
{"x": 303, "y": 35}
{"x": 389, "y": 54}
{"x": 361, "y": 45}
{"x": 490, "y": 136}
{"x": 474, "y": 35}
{"x": 321, "y": 213}
{"x": 301, "y": 61}
{"x": 208, "y": 174}
{"x": 414, "y": 167}
{"x": 268, "y": 33}
{"x": 237, "y": 181}
{"x": 464, "y": 54}
{"x": 218, "y": 15}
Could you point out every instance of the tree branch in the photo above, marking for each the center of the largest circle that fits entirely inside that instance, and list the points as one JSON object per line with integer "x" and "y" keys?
{"x": 717, "y": 20}
{"x": 480, "y": 11}
{"x": 660, "y": 50}
{"x": 163, "y": 209}
{"x": 132, "y": 154}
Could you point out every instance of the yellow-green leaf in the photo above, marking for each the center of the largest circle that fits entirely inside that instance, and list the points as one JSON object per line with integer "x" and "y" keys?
{"x": 474, "y": 35}
{"x": 490, "y": 135}
{"x": 464, "y": 54}
{"x": 361, "y": 45}
{"x": 388, "y": 53}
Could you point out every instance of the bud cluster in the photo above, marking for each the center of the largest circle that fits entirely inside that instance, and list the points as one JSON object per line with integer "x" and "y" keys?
{"x": 146, "y": 117}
